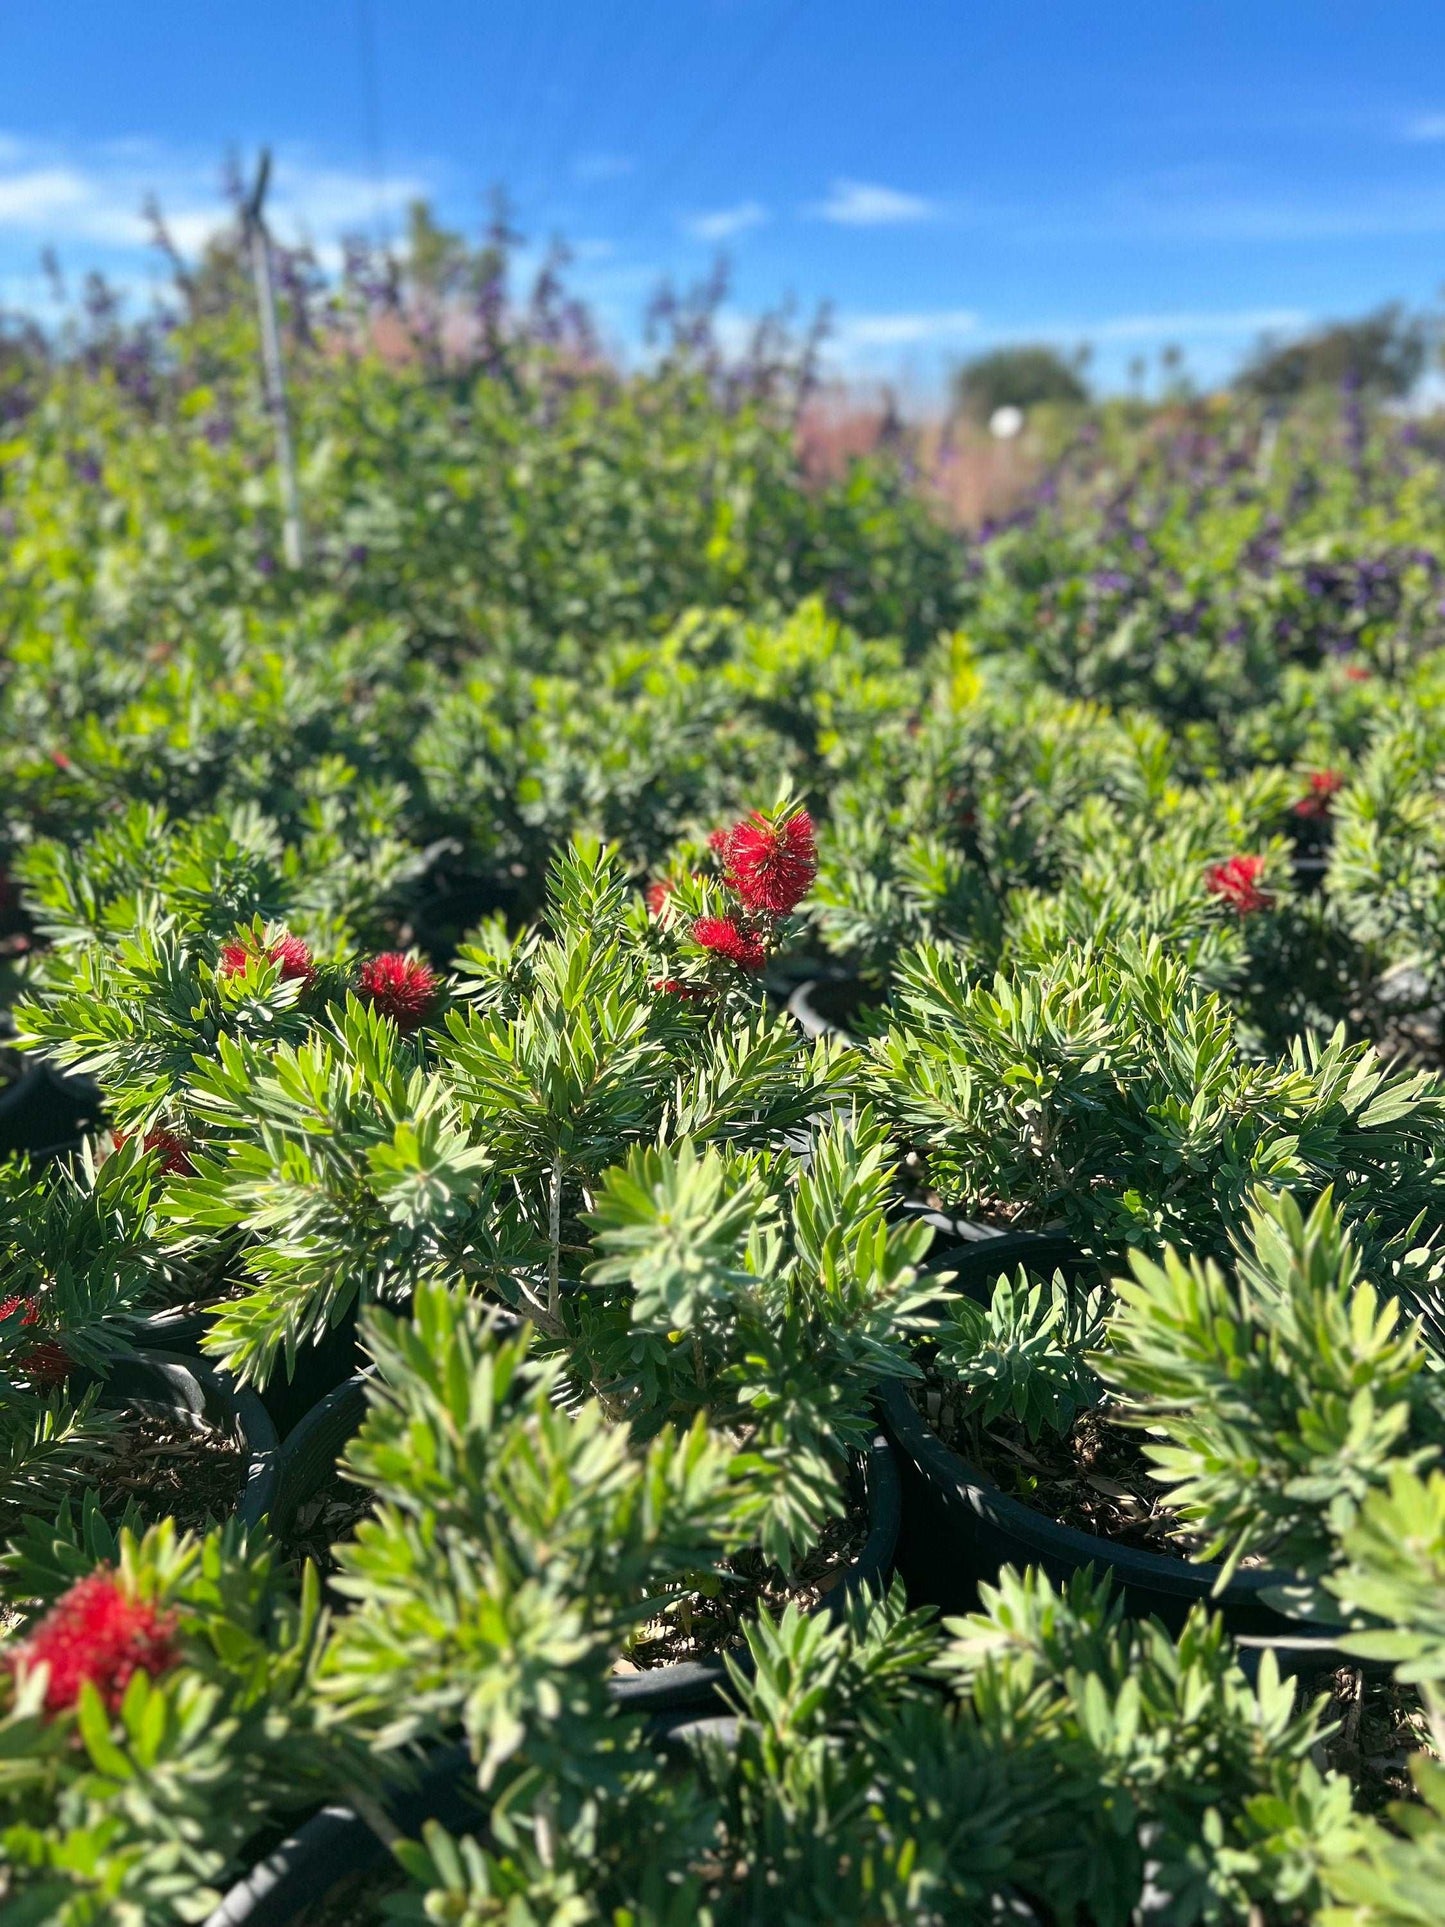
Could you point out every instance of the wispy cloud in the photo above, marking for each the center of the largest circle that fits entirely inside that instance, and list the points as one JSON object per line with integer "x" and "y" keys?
{"x": 865, "y": 204}
{"x": 592, "y": 168}
{"x": 865, "y": 339}
{"x": 1425, "y": 127}
{"x": 1224, "y": 325}
{"x": 932, "y": 327}
{"x": 723, "y": 223}
{"x": 93, "y": 196}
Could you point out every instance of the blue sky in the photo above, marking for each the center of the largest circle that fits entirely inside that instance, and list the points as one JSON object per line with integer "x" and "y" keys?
{"x": 946, "y": 174}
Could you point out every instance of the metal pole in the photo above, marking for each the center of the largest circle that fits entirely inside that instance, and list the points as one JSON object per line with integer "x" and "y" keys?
{"x": 275, "y": 378}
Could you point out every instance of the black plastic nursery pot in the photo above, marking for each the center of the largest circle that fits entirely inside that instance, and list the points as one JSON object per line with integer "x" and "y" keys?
{"x": 337, "y": 1849}
{"x": 320, "y": 1369}
{"x": 306, "y": 1457}
{"x": 200, "y": 1394}
{"x": 45, "y": 1114}
{"x": 827, "y": 1006}
{"x": 959, "y": 1528}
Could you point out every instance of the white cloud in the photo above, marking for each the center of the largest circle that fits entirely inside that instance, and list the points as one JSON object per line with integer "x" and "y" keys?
{"x": 95, "y": 196}
{"x": 934, "y": 327}
{"x": 864, "y": 204}
{"x": 1427, "y": 127}
{"x": 725, "y": 222}
{"x": 863, "y": 341}
{"x": 1194, "y": 327}
{"x": 602, "y": 167}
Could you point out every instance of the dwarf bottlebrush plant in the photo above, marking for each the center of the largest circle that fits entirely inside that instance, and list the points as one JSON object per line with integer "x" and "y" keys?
{"x": 850, "y": 1786}
{"x": 772, "y": 1298}
{"x": 1276, "y": 1400}
{"x": 1106, "y": 1091}
{"x": 1023, "y": 1356}
{"x": 367, "y": 1158}
{"x": 167, "y": 937}
{"x": 512, "y": 1542}
{"x": 514, "y": 1539}
{"x": 157, "y": 1710}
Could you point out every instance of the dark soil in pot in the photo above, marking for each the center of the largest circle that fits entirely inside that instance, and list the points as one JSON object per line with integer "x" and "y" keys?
{"x": 190, "y": 1444}
{"x": 695, "y": 1626}
{"x": 960, "y": 1526}
{"x": 171, "y": 1471}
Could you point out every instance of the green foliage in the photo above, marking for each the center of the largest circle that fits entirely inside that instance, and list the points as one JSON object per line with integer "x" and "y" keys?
{"x": 1018, "y": 377}
{"x": 134, "y": 1817}
{"x": 774, "y": 1306}
{"x": 556, "y": 625}
{"x": 1283, "y": 1396}
{"x": 1105, "y": 1089}
{"x": 511, "y": 1545}
{"x": 1180, "y": 1750}
{"x": 1024, "y": 1355}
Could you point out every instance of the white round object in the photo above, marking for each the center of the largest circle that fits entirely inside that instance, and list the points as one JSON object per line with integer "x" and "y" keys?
{"x": 1006, "y": 422}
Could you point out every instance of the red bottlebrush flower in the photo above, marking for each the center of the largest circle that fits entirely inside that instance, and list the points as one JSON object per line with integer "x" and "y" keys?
{"x": 399, "y": 987}
{"x": 1324, "y": 783}
{"x": 175, "y": 1157}
{"x": 97, "y": 1632}
{"x": 47, "y": 1363}
{"x": 657, "y": 895}
{"x": 771, "y": 866}
{"x": 725, "y": 938}
{"x": 1237, "y": 881}
{"x": 60, "y": 759}
{"x": 1355, "y": 673}
{"x": 175, "y": 1153}
{"x": 288, "y": 953}
{"x": 718, "y": 840}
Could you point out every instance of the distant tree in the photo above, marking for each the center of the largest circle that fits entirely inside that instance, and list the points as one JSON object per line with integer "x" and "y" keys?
{"x": 1018, "y": 377}
{"x": 1383, "y": 354}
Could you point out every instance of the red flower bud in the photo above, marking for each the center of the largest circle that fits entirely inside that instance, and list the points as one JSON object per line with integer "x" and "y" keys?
{"x": 175, "y": 1153}
{"x": 288, "y": 953}
{"x": 47, "y": 1363}
{"x": 1324, "y": 783}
